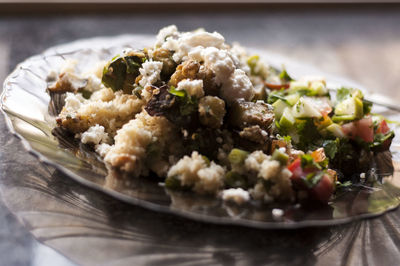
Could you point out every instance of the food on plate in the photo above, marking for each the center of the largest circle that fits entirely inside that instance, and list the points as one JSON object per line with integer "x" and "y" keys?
{"x": 207, "y": 117}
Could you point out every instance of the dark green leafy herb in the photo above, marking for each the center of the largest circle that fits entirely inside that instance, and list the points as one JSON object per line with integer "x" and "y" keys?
{"x": 312, "y": 179}
{"x": 178, "y": 93}
{"x": 85, "y": 93}
{"x": 284, "y": 76}
{"x": 173, "y": 182}
{"x": 330, "y": 148}
{"x": 121, "y": 72}
{"x": 152, "y": 150}
{"x": 137, "y": 91}
{"x": 367, "y": 106}
{"x": 205, "y": 158}
{"x": 307, "y": 161}
{"x": 342, "y": 94}
{"x": 276, "y": 95}
{"x": 380, "y": 138}
{"x": 187, "y": 104}
{"x": 340, "y": 185}
{"x": 308, "y": 134}
{"x": 287, "y": 139}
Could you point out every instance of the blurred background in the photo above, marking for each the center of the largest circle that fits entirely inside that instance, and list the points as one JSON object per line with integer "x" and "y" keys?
{"x": 359, "y": 40}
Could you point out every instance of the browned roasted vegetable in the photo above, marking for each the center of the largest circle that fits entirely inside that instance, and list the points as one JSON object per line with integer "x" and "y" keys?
{"x": 180, "y": 109}
{"x": 211, "y": 111}
{"x": 67, "y": 82}
{"x": 244, "y": 114}
{"x": 194, "y": 70}
{"x": 121, "y": 73}
{"x": 169, "y": 65}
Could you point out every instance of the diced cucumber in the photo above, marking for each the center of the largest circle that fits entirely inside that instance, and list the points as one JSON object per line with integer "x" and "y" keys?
{"x": 357, "y": 94}
{"x": 279, "y": 107}
{"x": 343, "y": 118}
{"x": 237, "y": 156}
{"x": 280, "y": 156}
{"x": 318, "y": 88}
{"x": 304, "y": 108}
{"x": 352, "y": 106}
{"x": 287, "y": 120}
{"x": 292, "y": 99}
{"x": 336, "y": 130}
{"x": 298, "y": 85}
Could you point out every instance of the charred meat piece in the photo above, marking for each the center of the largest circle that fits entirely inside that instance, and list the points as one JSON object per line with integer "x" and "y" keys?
{"x": 244, "y": 114}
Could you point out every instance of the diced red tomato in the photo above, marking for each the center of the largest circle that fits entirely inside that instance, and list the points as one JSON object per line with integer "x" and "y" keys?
{"x": 383, "y": 127}
{"x": 325, "y": 187}
{"x": 297, "y": 174}
{"x": 365, "y": 129}
{"x": 349, "y": 129}
{"x": 362, "y": 128}
{"x": 323, "y": 190}
{"x": 295, "y": 168}
{"x": 322, "y": 104}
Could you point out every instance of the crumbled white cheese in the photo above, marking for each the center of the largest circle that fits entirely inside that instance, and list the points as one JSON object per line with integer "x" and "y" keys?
{"x": 220, "y": 62}
{"x": 73, "y": 102}
{"x": 210, "y": 49}
{"x": 237, "y": 195}
{"x": 102, "y": 149}
{"x": 277, "y": 213}
{"x": 185, "y": 42}
{"x": 93, "y": 83}
{"x": 150, "y": 72}
{"x": 237, "y": 86}
{"x": 192, "y": 87}
{"x": 94, "y": 135}
{"x": 169, "y": 31}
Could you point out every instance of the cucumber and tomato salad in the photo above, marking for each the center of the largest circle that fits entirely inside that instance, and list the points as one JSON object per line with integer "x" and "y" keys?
{"x": 333, "y": 127}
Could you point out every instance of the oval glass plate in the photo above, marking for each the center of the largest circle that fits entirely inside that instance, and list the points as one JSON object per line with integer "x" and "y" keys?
{"x": 28, "y": 110}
